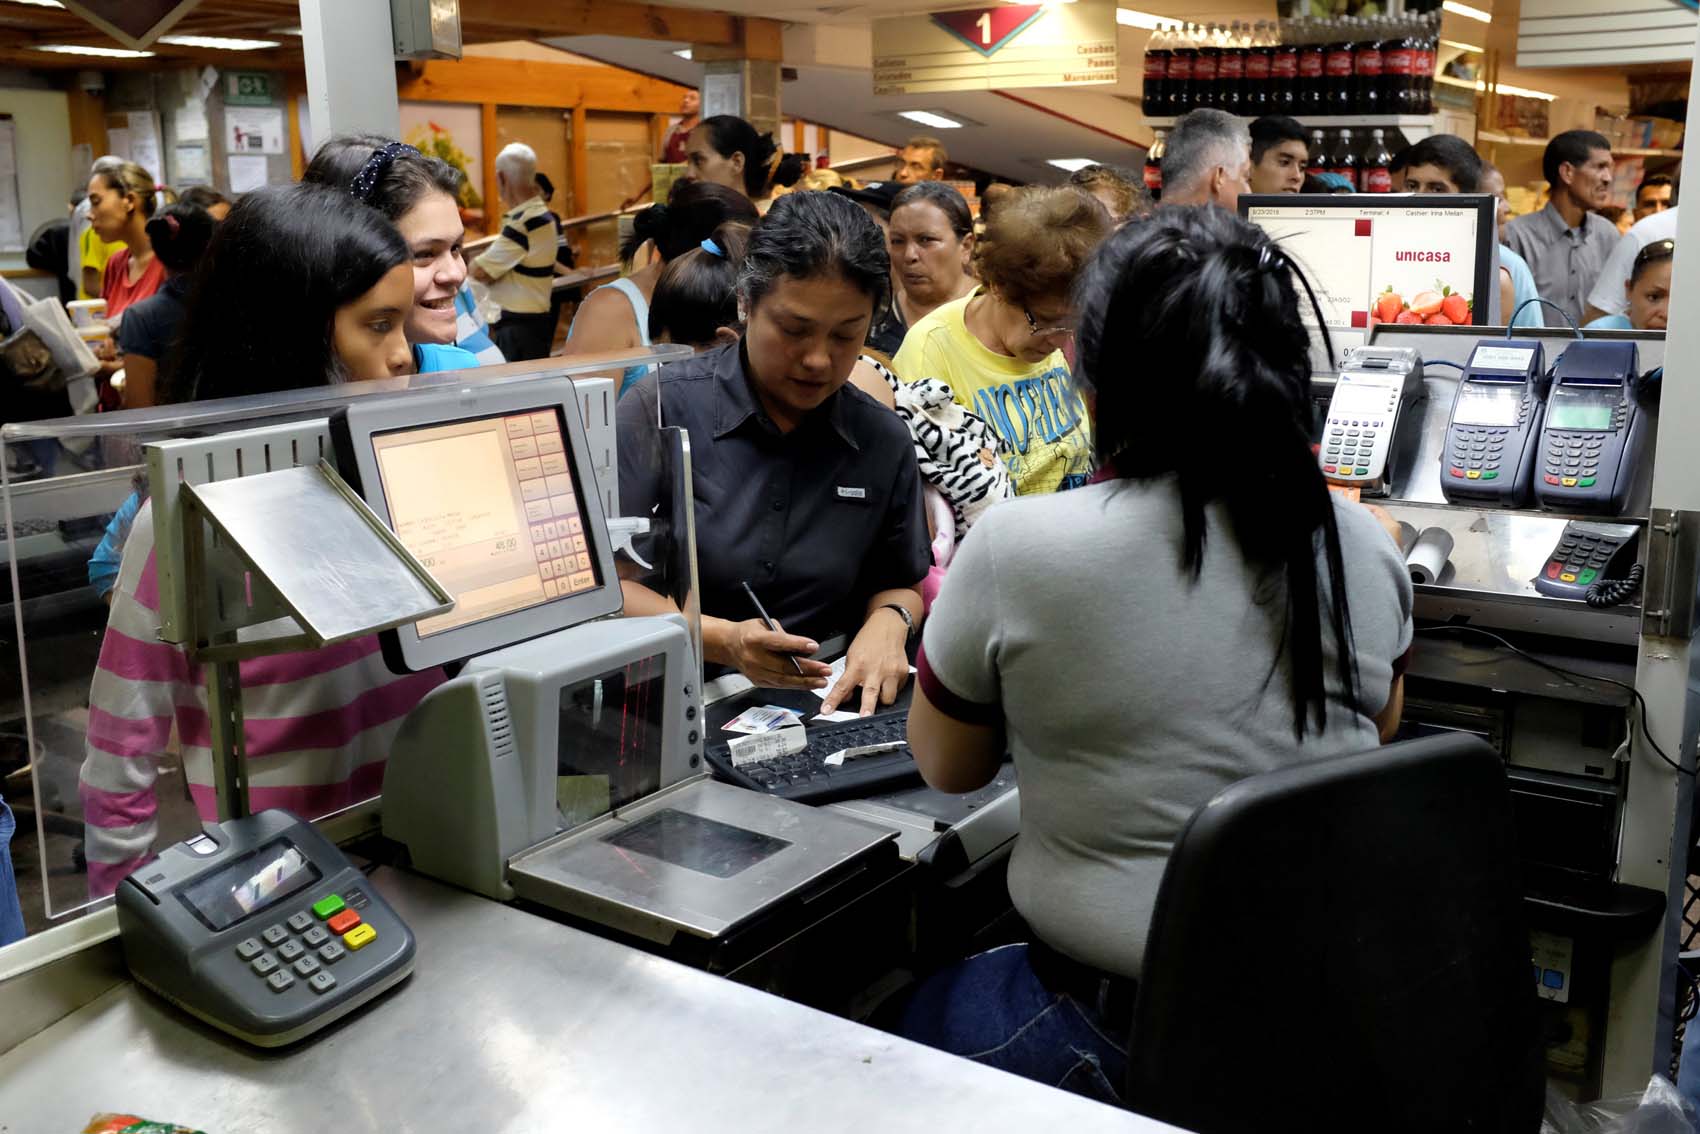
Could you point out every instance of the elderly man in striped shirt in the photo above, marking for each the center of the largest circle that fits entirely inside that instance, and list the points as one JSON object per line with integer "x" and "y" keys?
{"x": 520, "y": 266}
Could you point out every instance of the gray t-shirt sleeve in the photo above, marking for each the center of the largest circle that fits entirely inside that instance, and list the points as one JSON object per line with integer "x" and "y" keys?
{"x": 964, "y": 629}
{"x": 1379, "y": 597}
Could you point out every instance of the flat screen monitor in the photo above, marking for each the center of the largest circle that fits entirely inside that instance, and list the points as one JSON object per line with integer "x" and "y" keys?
{"x": 1373, "y": 258}
{"x": 493, "y": 491}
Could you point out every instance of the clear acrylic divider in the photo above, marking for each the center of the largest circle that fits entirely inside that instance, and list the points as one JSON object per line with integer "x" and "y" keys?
{"x": 129, "y": 787}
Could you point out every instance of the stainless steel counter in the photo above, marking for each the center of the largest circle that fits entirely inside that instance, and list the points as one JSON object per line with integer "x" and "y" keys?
{"x": 514, "y": 1023}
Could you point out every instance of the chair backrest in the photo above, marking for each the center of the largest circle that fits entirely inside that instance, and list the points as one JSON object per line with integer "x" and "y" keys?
{"x": 1341, "y": 946}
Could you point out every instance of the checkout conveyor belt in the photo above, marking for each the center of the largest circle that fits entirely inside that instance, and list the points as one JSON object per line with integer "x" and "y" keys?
{"x": 514, "y": 1023}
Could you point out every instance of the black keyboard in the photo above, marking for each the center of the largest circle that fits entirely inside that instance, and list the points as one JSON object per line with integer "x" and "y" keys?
{"x": 805, "y": 776}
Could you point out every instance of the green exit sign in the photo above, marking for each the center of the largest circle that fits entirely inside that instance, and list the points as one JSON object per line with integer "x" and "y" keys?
{"x": 248, "y": 88}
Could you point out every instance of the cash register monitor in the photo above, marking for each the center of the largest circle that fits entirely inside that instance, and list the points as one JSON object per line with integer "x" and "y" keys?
{"x": 493, "y": 490}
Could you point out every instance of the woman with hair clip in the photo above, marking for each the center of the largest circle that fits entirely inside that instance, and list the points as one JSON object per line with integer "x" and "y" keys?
{"x": 696, "y": 298}
{"x": 179, "y": 235}
{"x": 121, "y": 199}
{"x": 726, "y": 150}
{"x": 332, "y": 281}
{"x": 1264, "y": 623}
{"x": 420, "y": 196}
{"x": 806, "y": 492}
{"x": 1648, "y": 289}
{"x": 616, "y": 315}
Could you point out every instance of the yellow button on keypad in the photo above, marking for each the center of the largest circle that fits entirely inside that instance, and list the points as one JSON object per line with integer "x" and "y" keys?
{"x": 359, "y": 937}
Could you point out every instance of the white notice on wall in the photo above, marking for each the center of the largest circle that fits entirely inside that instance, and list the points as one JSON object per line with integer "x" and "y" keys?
{"x": 11, "y": 215}
{"x": 145, "y": 148}
{"x": 253, "y": 129}
{"x": 191, "y": 123}
{"x": 189, "y": 165}
{"x": 720, "y": 95}
{"x": 247, "y": 173}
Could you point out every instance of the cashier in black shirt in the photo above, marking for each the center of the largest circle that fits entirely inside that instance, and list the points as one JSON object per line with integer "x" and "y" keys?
{"x": 805, "y": 487}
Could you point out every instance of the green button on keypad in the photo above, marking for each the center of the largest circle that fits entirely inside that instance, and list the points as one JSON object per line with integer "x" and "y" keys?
{"x": 327, "y": 905}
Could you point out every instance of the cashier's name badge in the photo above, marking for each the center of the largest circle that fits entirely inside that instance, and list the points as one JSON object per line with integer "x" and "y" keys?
{"x": 852, "y": 493}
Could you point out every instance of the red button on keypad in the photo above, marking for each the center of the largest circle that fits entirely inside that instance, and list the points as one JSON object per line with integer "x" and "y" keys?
{"x": 343, "y": 922}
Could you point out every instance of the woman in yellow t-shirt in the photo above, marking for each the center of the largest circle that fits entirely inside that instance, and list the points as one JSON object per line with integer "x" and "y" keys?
{"x": 1000, "y": 349}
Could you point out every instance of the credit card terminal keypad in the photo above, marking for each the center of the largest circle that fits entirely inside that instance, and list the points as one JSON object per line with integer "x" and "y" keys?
{"x": 1573, "y": 459}
{"x": 1594, "y": 441}
{"x": 1477, "y": 454}
{"x": 1582, "y": 557}
{"x": 1373, "y": 387}
{"x": 1493, "y": 431}
{"x": 262, "y": 928}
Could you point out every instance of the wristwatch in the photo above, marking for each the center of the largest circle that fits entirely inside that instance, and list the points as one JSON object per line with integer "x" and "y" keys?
{"x": 903, "y": 613}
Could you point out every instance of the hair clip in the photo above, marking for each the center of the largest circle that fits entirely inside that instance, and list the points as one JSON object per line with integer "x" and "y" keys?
{"x": 713, "y": 249}
{"x": 1268, "y": 259}
{"x": 366, "y": 181}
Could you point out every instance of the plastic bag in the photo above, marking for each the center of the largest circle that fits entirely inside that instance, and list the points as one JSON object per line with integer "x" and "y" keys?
{"x": 1659, "y": 1110}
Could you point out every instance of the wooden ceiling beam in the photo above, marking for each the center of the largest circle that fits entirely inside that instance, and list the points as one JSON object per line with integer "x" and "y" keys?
{"x": 492, "y": 20}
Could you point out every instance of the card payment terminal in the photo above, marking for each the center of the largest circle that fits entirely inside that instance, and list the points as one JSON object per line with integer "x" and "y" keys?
{"x": 262, "y": 928}
{"x": 1595, "y": 431}
{"x": 1493, "y": 435}
{"x": 1373, "y": 390}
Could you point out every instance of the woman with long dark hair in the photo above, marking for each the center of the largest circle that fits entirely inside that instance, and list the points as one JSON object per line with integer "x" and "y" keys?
{"x": 331, "y": 282}
{"x": 179, "y": 235}
{"x": 805, "y": 488}
{"x": 1143, "y": 642}
{"x": 727, "y": 150}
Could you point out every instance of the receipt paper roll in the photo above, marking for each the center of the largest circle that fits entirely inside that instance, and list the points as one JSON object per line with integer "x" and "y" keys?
{"x": 1427, "y": 557}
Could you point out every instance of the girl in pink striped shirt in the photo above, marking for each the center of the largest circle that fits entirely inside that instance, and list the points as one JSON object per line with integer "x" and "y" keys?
{"x": 331, "y": 282}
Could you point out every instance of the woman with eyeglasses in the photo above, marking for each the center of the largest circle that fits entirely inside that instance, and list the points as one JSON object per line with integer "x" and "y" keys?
{"x": 1001, "y": 348}
{"x": 1648, "y": 289}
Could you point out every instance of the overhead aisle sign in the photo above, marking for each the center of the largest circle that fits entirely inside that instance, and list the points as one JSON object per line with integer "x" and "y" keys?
{"x": 996, "y": 47}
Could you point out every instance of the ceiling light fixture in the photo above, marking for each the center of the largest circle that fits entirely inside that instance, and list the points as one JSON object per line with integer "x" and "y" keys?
{"x": 928, "y": 118}
{"x": 683, "y": 53}
{"x": 218, "y": 42}
{"x": 286, "y": 31}
{"x": 1071, "y": 164}
{"x": 1128, "y": 18}
{"x": 38, "y": 3}
{"x": 1458, "y": 9}
{"x": 1524, "y": 92}
{"x": 97, "y": 52}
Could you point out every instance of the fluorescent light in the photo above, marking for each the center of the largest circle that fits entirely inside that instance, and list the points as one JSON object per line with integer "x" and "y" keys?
{"x": 683, "y": 53}
{"x": 928, "y": 118}
{"x": 1071, "y": 164}
{"x": 1524, "y": 92}
{"x": 296, "y": 31}
{"x": 1458, "y": 9}
{"x": 98, "y": 52}
{"x": 218, "y": 42}
{"x": 1128, "y": 18}
{"x": 1463, "y": 46}
{"x": 38, "y": 3}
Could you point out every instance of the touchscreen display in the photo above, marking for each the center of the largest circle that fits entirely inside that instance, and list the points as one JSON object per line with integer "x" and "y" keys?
{"x": 706, "y": 846}
{"x": 1581, "y": 409}
{"x": 250, "y": 884}
{"x": 610, "y": 740}
{"x": 1480, "y": 404}
{"x": 492, "y": 508}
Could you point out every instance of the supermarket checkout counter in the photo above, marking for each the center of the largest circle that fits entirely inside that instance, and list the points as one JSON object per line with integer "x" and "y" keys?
{"x": 510, "y": 1022}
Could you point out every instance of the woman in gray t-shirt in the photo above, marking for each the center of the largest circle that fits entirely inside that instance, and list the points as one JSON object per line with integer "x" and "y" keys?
{"x": 1206, "y": 611}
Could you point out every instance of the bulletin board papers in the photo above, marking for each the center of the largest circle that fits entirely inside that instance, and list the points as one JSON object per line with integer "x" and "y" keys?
{"x": 145, "y": 148}
{"x": 189, "y": 165}
{"x": 11, "y": 216}
{"x": 253, "y": 129}
{"x": 247, "y": 172}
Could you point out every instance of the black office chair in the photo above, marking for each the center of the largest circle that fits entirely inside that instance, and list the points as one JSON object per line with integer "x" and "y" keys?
{"x": 1340, "y": 946}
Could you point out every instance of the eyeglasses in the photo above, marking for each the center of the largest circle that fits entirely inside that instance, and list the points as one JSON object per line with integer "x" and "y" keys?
{"x": 1657, "y": 250}
{"x": 1039, "y": 332}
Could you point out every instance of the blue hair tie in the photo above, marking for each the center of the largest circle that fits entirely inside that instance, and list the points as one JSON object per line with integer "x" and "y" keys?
{"x": 366, "y": 181}
{"x": 712, "y": 248}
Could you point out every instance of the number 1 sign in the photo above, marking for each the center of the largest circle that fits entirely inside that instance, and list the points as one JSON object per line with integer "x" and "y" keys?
{"x": 996, "y": 47}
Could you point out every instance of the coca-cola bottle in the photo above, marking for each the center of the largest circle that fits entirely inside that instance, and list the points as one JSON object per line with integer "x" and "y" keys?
{"x": 1181, "y": 57}
{"x": 1424, "y": 60}
{"x": 1337, "y": 65}
{"x": 1373, "y": 176}
{"x": 1230, "y": 70}
{"x": 1366, "y": 72}
{"x": 1316, "y": 163}
{"x": 1312, "y": 81}
{"x": 1204, "y": 68}
{"x": 1345, "y": 159}
{"x": 1154, "y": 165}
{"x": 1398, "y": 71}
{"x": 1258, "y": 58}
{"x": 1156, "y": 72}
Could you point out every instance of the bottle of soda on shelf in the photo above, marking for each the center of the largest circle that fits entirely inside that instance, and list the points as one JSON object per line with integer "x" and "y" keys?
{"x": 1257, "y": 67}
{"x": 1181, "y": 57}
{"x": 1316, "y": 163}
{"x": 1154, "y": 165}
{"x": 1310, "y": 53}
{"x": 1337, "y": 66}
{"x": 1424, "y": 61}
{"x": 1366, "y": 70}
{"x": 1156, "y": 72}
{"x": 1373, "y": 176}
{"x": 1204, "y": 68}
{"x": 1230, "y": 69}
{"x": 1398, "y": 70}
{"x": 1345, "y": 158}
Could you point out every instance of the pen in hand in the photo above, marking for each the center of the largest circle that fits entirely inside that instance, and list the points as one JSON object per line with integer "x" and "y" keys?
{"x": 761, "y": 612}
